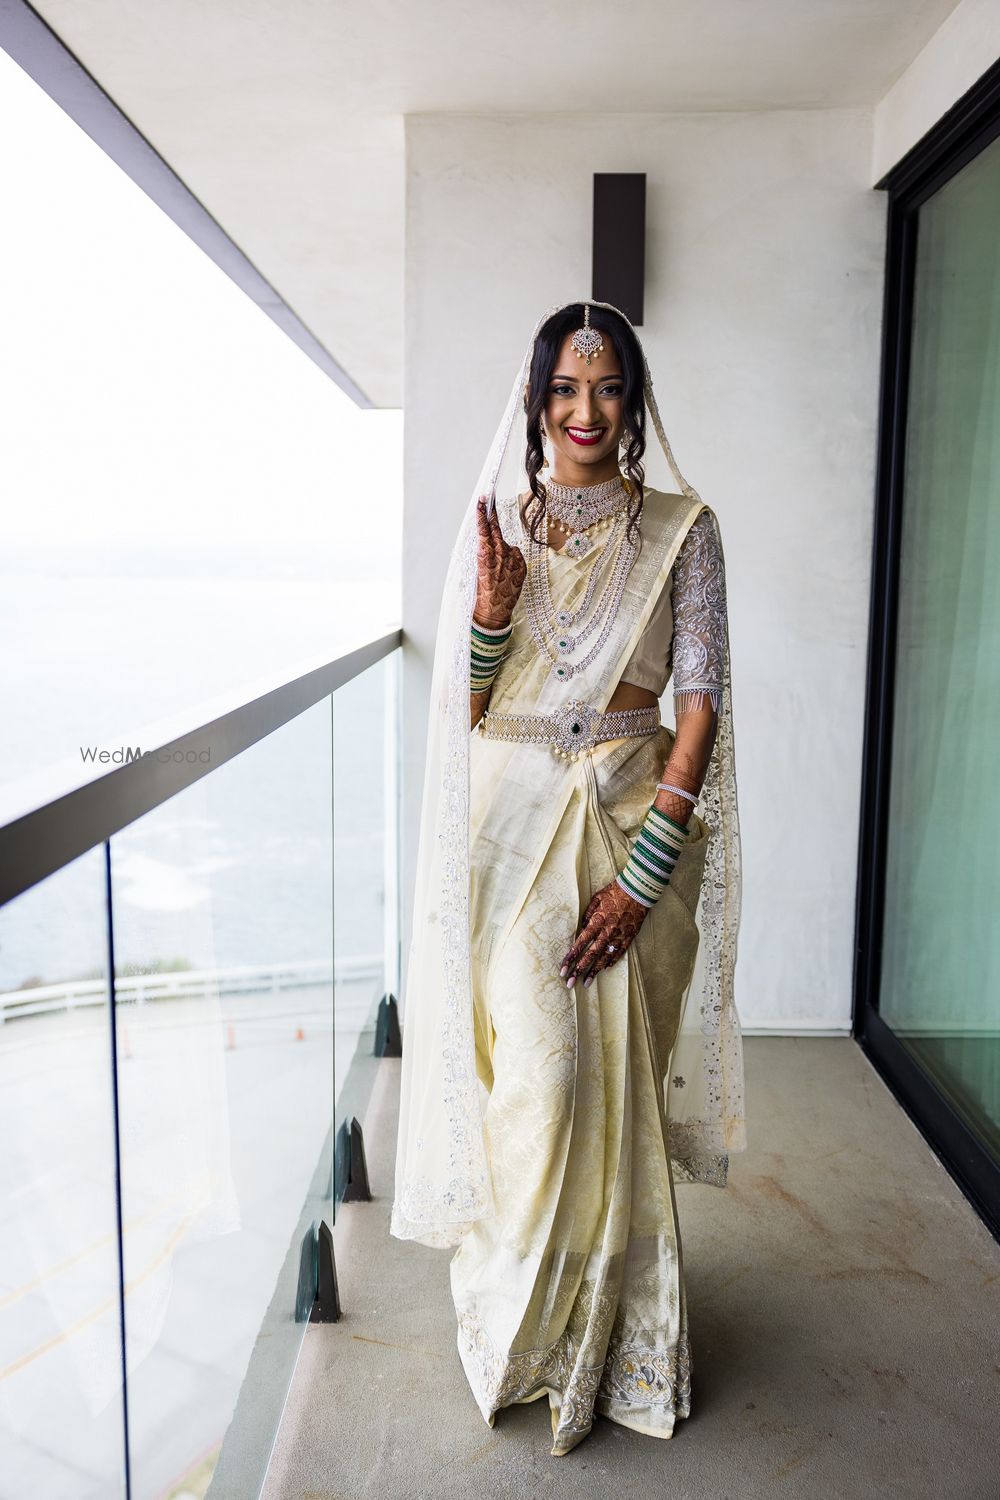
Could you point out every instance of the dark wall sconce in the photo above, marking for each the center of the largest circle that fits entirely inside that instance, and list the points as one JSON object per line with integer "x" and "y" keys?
{"x": 619, "y": 271}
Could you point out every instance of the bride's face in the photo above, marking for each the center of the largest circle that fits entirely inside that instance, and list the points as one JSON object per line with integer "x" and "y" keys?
{"x": 584, "y": 407}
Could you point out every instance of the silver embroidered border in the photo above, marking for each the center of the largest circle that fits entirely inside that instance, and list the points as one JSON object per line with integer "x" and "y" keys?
{"x": 646, "y": 1375}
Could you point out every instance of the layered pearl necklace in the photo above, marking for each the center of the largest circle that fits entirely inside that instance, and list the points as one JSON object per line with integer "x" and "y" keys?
{"x": 575, "y": 511}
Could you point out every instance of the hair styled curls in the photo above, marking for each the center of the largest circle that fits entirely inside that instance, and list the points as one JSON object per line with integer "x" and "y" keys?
{"x": 548, "y": 342}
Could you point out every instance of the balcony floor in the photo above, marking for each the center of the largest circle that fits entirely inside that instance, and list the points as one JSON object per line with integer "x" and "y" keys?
{"x": 843, "y": 1301}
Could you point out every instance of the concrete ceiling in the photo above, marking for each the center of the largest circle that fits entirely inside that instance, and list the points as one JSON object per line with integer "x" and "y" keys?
{"x": 285, "y": 117}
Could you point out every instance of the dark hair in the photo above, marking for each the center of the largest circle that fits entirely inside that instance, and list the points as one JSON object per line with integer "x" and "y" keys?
{"x": 548, "y": 342}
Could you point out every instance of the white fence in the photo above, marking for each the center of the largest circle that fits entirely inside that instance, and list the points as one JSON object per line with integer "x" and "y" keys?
{"x": 183, "y": 984}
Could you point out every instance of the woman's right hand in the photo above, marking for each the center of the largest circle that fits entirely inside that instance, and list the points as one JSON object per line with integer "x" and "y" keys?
{"x": 501, "y": 571}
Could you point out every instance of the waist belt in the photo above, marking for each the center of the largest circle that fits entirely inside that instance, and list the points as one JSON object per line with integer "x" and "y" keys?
{"x": 572, "y": 729}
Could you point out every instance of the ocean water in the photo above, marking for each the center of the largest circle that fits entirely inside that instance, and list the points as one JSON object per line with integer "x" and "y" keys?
{"x": 237, "y": 868}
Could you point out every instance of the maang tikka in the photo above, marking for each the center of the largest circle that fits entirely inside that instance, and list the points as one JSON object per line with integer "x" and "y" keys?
{"x": 586, "y": 341}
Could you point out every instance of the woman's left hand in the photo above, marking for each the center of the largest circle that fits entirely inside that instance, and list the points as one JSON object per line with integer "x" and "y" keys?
{"x": 612, "y": 918}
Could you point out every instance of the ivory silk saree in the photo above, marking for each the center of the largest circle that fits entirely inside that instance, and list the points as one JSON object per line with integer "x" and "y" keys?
{"x": 573, "y": 1286}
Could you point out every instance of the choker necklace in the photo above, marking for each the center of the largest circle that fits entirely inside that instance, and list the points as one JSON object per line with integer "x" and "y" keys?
{"x": 581, "y": 505}
{"x": 576, "y": 509}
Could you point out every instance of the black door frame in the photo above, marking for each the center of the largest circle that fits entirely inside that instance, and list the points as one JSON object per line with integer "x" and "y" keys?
{"x": 968, "y": 127}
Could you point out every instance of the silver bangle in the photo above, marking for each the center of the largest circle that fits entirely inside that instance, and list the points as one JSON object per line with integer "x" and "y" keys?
{"x": 492, "y": 629}
{"x": 664, "y": 786}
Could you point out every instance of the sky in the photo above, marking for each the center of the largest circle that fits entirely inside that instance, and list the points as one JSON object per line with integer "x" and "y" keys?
{"x": 189, "y": 503}
{"x": 151, "y": 413}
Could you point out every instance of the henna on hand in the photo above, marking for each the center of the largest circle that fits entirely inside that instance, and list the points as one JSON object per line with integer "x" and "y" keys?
{"x": 500, "y": 572}
{"x": 681, "y": 771}
{"x": 688, "y": 761}
{"x": 612, "y": 916}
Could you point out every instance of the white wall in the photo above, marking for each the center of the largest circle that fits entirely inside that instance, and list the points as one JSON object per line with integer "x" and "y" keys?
{"x": 763, "y": 304}
{"x": 957, "y": 55}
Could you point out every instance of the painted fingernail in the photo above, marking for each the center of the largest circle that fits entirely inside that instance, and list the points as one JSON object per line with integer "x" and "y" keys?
{"x": 562, "y": 971}
{"x": 571, "y": 981}
{"x": 587, "y": 980}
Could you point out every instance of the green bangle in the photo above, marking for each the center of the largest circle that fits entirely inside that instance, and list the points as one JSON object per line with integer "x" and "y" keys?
{"x": 488, "y": 651}
{"x": 653, "y": 857}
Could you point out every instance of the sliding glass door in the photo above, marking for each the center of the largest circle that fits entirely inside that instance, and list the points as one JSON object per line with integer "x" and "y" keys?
{"x": 940, "y": 990}
{"x": 929, "y": 930}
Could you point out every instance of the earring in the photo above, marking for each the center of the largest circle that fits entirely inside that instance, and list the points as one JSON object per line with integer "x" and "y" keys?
{"x": 541, "y": 428}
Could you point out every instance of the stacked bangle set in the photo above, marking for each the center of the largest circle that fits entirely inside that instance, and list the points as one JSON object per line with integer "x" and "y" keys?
{"x": 489, "y": 647}
{"x": 654, "y": 854}
{"x": 653, "y": 857}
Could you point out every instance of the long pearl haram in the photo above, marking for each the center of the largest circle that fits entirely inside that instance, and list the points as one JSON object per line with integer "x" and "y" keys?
{"x": 565, "y": 617}
{"x": 538, "y": 599}
{"x": 540, "y": 606}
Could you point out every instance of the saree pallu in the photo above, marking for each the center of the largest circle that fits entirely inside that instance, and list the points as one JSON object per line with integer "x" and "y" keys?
{"x": 575, "y": 1287}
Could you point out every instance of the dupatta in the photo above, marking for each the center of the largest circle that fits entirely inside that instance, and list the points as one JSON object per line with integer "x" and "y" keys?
{"x": 442, "y": 1181}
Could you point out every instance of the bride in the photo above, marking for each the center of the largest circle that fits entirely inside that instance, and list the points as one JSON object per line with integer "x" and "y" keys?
{"x": 570, "y": 1037}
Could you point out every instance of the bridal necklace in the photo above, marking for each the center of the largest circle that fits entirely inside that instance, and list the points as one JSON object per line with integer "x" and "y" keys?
{"x": 576, "y": 509}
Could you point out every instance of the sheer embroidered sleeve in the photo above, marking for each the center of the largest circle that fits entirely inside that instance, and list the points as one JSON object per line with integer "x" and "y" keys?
{"x": 699, "y": 606}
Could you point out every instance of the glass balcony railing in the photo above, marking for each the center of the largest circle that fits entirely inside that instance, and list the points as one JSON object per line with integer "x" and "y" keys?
{"x": 189, "y": 1012}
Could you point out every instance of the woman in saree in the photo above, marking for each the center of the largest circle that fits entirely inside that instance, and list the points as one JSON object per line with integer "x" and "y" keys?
{"x": 570, "y": 1037}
